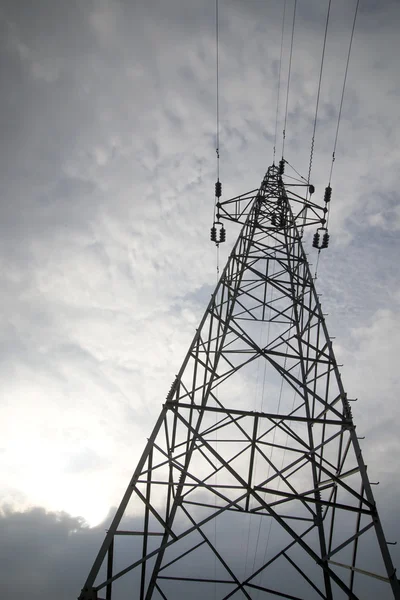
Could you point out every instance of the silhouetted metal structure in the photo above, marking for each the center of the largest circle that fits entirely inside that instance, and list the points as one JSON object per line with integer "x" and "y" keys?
{"x": 252, "y": 484}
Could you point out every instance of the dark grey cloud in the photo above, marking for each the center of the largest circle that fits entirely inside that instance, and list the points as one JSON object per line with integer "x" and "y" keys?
{"x": 44, "y": 554}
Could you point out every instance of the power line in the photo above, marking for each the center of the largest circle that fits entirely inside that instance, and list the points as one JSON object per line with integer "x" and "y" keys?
{"x": 318, "y": 93}
{"x": 217, "y": 78}
{"x": 217, "y": 258}
{"x": 270, "y": 460}
{"x": 261, "y": 410}
{"x": 343, "y": 89}
{"x": 279, "y": 80}
{"x": 295, "y": 170}
{"x": 288, "y": 82}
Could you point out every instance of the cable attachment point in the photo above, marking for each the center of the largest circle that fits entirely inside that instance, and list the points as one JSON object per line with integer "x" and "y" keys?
{"x": 311, "y": 189}
{"x": 281, "y": 166}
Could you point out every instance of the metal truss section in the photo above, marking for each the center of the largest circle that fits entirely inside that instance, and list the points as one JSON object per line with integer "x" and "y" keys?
{"x": 252, "y": 484}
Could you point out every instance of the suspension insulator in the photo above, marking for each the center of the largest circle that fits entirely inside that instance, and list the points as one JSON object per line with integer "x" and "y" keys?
{"x": 218, "y": 189}
{"x": 325, "y": 240}
{"x": 281, "y": 167}
{"x": 273, "y": 220}
{"x": 328, "y": 194}
{"x": 213, "y": 234}
{"x": 222, "y": 235}
{"x": 282, "y": 221}
{"x": 316, "y": 239}
{"x": 311, "y": 189}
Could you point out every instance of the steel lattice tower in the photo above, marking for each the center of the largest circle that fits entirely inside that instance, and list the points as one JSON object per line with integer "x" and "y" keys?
{"x": 227, "y": 501}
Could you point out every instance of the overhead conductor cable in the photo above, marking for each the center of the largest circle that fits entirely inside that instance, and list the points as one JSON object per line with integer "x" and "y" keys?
{"x": 343, "y": 90}
{"x": 288, "y": 82}
{"x": 319, "y": 92}
{"x": 328, "y": 189}
{"x": 279, "y": 81}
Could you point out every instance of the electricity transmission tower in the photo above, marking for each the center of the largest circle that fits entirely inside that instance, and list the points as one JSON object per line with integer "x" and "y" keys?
{"x": 252, "y": 483}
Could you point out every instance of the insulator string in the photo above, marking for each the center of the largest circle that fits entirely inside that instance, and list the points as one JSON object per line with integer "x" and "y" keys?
{"x": 343, "y": 90}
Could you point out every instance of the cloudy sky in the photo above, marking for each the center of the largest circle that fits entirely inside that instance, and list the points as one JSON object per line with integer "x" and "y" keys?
{"x": 107, "y": 121}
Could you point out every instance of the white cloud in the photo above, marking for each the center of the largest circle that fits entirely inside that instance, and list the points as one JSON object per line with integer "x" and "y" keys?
{"x": 108, "y": 167}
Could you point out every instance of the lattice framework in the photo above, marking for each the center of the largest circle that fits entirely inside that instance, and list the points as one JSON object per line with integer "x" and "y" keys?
{"x": 288, "y": 475}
